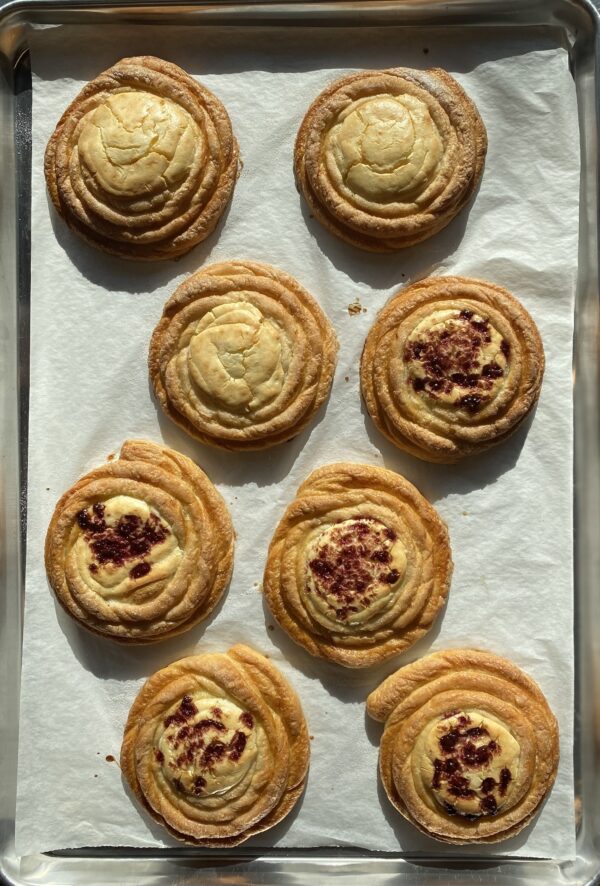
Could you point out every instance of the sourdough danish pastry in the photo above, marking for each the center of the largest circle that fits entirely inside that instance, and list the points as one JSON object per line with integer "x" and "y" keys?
{"x": 242, "y": 357}
{"x": 470, "y": 746}
{"x": 451, "y": 367}
{"x": 141, "y": 548}
{"x": 143, "y": 162}
{"x": 359, "y": 565}
{"x": 216, "y": 747}
{"x": 385, "y": 159}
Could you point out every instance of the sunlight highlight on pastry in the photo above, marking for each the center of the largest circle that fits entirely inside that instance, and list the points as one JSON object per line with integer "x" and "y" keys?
{"x": 359, "y": 566}
{"x": 470, "y": 747}
{"x": 216, "y": 747}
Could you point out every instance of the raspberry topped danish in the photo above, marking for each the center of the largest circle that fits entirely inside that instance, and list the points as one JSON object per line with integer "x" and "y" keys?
{"x": 450, "y": 367}
{"x": 216, "y": 747}
{"x": 141, "y": 548}
{"x": 470, "y": 747}
{"x": 359, "y": 566}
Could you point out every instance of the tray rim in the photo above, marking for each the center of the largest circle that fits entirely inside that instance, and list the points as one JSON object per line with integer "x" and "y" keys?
{"x": 580, "y": 23}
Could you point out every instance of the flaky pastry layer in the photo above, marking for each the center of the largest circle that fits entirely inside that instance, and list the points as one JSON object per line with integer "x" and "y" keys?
{"x": 216, "y": 747}
{"x": 141, "y": 548}
{"x": 359, "y": 566}
{"x": 143, "y": 162}
{"x": 242, "y": 357}
{"x": 470, "y": 747}
{"x": 388, "y": 158}
{"x": 450, "y": 367}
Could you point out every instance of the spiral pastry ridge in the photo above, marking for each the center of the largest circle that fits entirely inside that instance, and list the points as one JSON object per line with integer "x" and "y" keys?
{"x": 143, "y": 162}
{"x": 242, "y": 357}
{"x": 388, "y": 158}
{"x": 359, "y": 566}
{"x": 141, "y": 548}
{"x": 216, "y": 747}
{"x": 450, "y": 367}
{"x": 470, "y": 747}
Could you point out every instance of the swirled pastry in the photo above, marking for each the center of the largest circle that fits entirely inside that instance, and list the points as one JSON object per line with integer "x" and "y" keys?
{"x": 141, "y": 548}
{"x": 359, "y": 565}
{"x": 216, "y": 747}
{"x": 385, "y": 159}
{"x": 470, "y": 746}
{"x": 242, "y": 357}
{"x": 143, "y": 162}
{"x": 451, "y": 367}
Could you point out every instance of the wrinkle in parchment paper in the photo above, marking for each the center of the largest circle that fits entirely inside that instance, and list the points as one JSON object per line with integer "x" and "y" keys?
{"x": 508, "y": 511}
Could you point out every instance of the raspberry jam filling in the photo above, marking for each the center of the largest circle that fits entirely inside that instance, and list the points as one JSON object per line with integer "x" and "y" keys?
{"x": 352, "y": 566}
{"x": 207, "y": 746}
{"x": 474, "y": 761}
{"x": 457, "y": 358}
{"x": 128, "y": 538}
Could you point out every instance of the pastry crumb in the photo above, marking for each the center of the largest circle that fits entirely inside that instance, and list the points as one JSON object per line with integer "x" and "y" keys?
{"x": 110, "y": 456}
{"x": 346, "y": 378}
{"x": 355, "y": 307}
{"x": 465, "y": 513}
{"x": 311, "y": 737}
{"x": 271, "y": 627}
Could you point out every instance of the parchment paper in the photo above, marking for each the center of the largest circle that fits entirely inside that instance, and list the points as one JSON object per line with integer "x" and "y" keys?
{"x": 508, "y": 511}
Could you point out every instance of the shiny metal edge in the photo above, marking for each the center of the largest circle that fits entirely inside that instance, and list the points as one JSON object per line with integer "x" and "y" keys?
{"x": 579, "y": 24}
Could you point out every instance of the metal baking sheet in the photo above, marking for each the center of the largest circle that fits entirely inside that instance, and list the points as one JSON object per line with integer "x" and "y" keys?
{"x": 572, "y": 23}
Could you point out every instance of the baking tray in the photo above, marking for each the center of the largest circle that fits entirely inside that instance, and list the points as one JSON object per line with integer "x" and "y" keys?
{"x": 572, "y": 23}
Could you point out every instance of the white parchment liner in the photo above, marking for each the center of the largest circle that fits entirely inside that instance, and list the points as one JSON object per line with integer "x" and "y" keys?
{"x": 508, "y": 511}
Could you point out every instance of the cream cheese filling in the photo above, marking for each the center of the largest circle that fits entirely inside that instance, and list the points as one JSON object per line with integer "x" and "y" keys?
{"x": 354, "y": 569}
{"x": 386, "y": 148}
{"x": 206, "y": 745}
{"x": 136, "y": 143}
{"x": 238, "y": 357}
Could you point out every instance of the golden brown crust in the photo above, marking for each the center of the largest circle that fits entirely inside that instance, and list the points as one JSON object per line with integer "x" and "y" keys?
{"x": 242, "y": 357}
{"x": 386, "y": 159}
{"x": 216, "y": 747}
{"x": 450, "y": 367}
{"x": 141, "y": 548}
{"x": 470, "y": 747}
{"x": 359, "y": 566}
{"x": 143, "y": 162}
